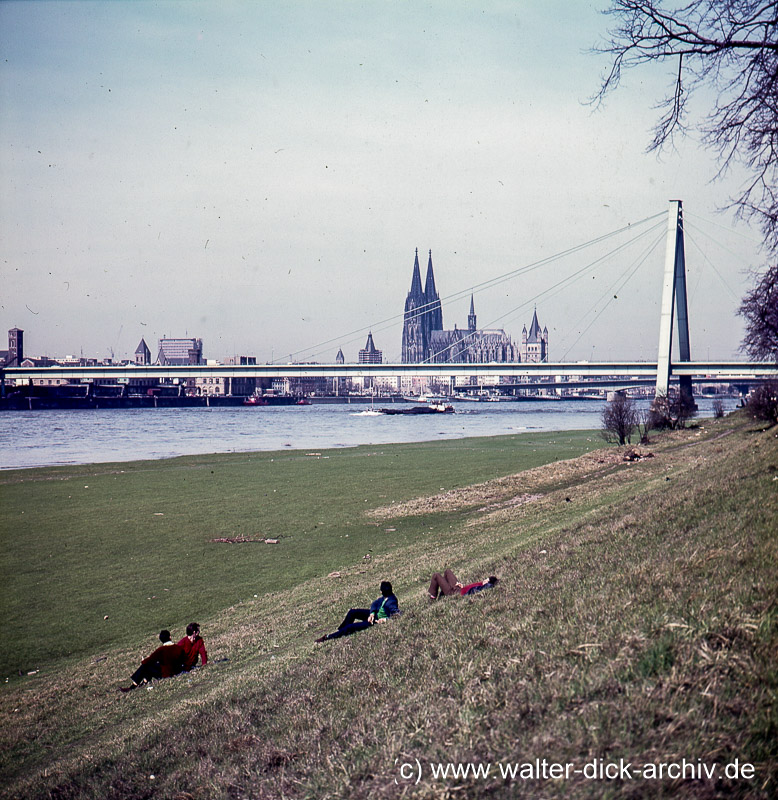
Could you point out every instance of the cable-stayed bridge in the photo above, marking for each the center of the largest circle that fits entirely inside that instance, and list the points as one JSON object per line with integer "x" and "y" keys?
{"x": 617, "y": 374}
{"x": 620, "y": 371}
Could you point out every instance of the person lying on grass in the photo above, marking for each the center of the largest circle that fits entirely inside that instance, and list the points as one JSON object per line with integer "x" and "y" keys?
{"x": 193, "y": 646}
{"x": 359, "y": 619}
{"x": 448, "y": 583}
{"x": 166, "y": 661}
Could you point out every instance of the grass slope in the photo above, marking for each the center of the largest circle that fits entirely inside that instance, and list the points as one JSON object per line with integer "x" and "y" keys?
{"x": 133, "y": 541}
{"x": 636, "y": 619}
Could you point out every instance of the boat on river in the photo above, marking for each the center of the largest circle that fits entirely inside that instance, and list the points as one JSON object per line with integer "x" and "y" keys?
{"x": 370, "y": 412}
{"x": 275, "y": 400}
{"x": 414, "y": 411}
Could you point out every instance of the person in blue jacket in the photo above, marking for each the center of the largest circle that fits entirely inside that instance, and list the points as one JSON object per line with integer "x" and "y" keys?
{"x": 359, "y": 619}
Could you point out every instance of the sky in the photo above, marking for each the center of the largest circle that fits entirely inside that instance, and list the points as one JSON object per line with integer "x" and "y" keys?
{"x": 259, "y": 175}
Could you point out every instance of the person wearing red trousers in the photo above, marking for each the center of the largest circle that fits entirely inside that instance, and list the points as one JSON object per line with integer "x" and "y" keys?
{"x": 448, "y": 584}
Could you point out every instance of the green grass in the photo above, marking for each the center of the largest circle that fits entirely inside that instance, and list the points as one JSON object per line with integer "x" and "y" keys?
{"x": 133, "y": 541}
{"x": 636, "y": 618}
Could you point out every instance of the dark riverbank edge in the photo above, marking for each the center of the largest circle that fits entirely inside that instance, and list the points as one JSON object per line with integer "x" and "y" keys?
{"x": 60, "y": 402}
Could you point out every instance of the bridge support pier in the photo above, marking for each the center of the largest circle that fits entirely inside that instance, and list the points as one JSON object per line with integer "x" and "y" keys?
{"x": 673, "y": 299}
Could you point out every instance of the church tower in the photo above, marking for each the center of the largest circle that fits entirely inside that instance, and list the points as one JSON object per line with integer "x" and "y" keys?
{"x": 339, "y": 384}
{"x": 471, "y": 326}
{"x": 142, "y": 353}
{"x": 415, "y": 338}
{"x": 534, "y": 344}
{"x": 15, "y": 348}
{"x": 434, "y": 313}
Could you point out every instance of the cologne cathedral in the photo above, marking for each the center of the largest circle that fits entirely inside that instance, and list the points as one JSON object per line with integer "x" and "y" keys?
{"x": 425, "y": 340}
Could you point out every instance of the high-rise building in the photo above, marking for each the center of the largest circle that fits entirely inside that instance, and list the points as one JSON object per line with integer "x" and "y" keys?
{"x": 370, "y": 355}
{"x": 180, "y": 352}
{"x": 241, "y": 386}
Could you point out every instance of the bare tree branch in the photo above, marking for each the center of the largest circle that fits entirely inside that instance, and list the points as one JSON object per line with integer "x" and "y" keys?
{"x": 760, "y": 310}
{"x": 730, "y": 46}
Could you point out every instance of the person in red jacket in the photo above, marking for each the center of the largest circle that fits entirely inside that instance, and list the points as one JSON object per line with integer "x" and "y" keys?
{"x": 166, "y": 661}
{"x": 193, "y": 646}
{"x": 448, "y": 583}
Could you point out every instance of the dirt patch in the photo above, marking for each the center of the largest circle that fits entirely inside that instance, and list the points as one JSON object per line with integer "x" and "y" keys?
{"x": 509, "y": 492}
{"x": 241, "y": 540}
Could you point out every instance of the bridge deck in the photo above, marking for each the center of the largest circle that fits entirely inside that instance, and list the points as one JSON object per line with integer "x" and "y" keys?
{"x": 735, "y": 370}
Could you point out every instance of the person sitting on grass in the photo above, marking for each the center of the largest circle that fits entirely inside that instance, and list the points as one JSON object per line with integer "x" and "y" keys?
{"x": 448, "y": 583}
{"x": 166, "y": 661}
{"x": 359, "y": 619}
{"x": 193, "y": 646}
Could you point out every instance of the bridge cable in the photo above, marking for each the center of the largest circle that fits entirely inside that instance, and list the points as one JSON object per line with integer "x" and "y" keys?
{"x": 614, "y": 291}
{"x": 756, "y": 241}
{"x": 708, "y": 260}
{"x": 382, "y": 324}
{"x": 553, "y": 290}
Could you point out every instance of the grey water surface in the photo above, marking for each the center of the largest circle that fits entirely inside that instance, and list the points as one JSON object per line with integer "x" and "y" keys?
{"x": 47, "y": 438}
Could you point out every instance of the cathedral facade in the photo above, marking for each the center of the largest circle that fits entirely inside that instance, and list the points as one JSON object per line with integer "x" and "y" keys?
{"x": 426, "y": 341}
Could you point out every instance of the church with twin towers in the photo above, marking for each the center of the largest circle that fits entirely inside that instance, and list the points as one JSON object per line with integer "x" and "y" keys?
{"x": 425, "y": 340}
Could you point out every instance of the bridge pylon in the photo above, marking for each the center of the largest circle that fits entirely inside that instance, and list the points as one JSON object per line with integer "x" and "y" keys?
{"x": 673, "y": 300}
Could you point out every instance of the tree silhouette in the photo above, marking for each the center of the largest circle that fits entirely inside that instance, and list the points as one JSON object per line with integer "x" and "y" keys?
{"x": 730, "y": 46}
{"x": 760, "y": 310}
{"x": 619, "y": 420}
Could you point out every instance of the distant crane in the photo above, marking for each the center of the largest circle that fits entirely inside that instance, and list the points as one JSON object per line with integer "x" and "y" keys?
{"x": 116, "y": 344}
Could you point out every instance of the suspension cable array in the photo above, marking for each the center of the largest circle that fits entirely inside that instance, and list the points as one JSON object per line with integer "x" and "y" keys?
{"x": 650, "y": 228}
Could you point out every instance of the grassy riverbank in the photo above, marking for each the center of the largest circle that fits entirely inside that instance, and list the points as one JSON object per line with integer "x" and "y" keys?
{"x": 636, "y": 619}
{"x": 133, "y": 542}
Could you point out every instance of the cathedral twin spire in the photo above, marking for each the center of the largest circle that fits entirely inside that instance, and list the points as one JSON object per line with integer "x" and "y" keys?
{"x": 416, "y": 290}
{"x": 432, "y": 300}
{"x": 429, "y": 294}
{"x": 423, "y": 313}
{"x": 425, "y": 340}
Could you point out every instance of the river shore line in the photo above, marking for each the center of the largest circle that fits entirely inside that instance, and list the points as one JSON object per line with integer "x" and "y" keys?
{"x": 49, "y": 438}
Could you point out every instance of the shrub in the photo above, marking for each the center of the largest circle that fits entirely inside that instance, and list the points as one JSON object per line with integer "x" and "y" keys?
{"x": 645, "y": 423}
{"x": 718, "y": 408}
{"x": 619, "y": 420}
{"x": 763, "y": 402}
{"x": 672, "y": 410}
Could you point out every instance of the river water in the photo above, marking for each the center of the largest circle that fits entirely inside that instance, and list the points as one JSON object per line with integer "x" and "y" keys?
{"x": 47, "y": 438}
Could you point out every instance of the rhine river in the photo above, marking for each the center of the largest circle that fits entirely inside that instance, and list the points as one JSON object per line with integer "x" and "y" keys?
{"x": 48, "y": 438}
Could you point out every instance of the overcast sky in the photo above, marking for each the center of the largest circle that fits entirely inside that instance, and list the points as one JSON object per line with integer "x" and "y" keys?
{"x": 260, "y": 174}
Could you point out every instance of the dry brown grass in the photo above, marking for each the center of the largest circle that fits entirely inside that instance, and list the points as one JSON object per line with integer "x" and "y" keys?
{"x": 512, "y": 490}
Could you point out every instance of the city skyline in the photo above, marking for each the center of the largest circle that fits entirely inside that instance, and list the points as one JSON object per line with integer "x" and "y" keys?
{"x": 260, "y": 175}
